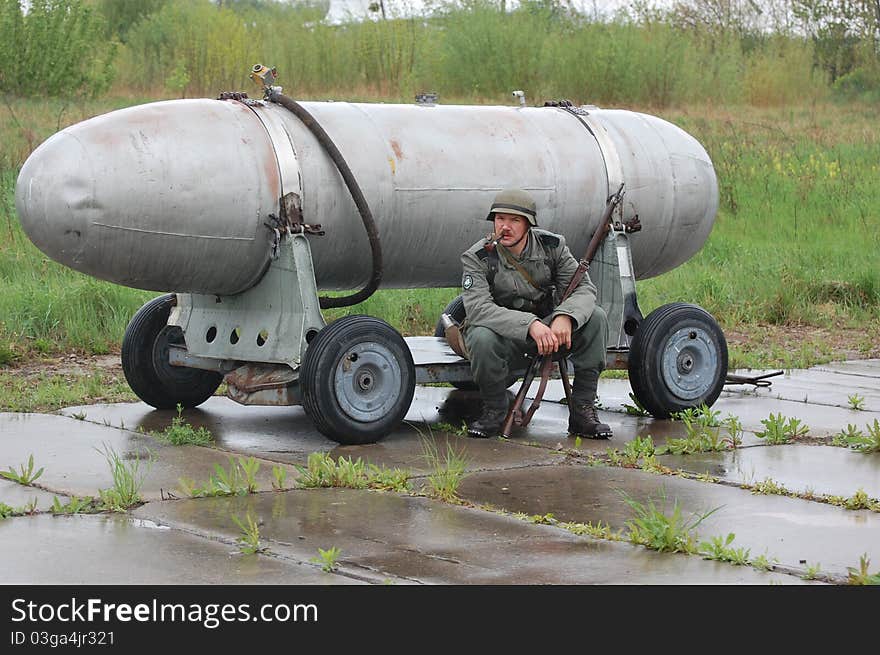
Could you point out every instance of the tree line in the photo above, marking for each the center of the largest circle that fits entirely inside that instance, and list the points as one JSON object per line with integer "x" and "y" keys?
{"x": 775, "y": 52}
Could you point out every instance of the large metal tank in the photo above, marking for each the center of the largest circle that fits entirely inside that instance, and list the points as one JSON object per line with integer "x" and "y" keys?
{"x": 175, "y": 196}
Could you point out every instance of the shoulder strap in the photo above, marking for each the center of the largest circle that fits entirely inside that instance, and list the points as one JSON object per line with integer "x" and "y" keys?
{"x": 491, "y": 258}
{"x": 512, "y": 261}
{"x": 550, "y": 240}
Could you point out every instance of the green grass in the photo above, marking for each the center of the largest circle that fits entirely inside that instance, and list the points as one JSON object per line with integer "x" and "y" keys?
{"x": 653, "y": 528}
{"x": 328, "y": 559}
{"x": 47, "y": 392}
{"x": 793, "y": 247}
{"x": 181, "y": 433}
{"x": 249, "y": 539}
{"x": 25, "y": 475}
{"x": 128, "y": 478}
{"x": 322, "y": 470}
{"x": 238, "y": 479}
{"x": 446, "y": 471}
{"x": 779, "y": 429}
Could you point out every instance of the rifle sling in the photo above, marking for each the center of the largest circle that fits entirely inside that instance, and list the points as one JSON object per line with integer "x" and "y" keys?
{"x": 512, "y": 261}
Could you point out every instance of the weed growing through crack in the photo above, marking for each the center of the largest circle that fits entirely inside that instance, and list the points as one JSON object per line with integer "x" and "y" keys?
{"x": 762, "y": 563}
{"x": 638, "y": 448}
{"x": 848, "y": 437}
{"x": 385, "y": 479}
{"x": 652, "y": 528}
{"x": 862, "y": 575}
{"x": 328, "y": 559}
{"x": 856, "y": 440}
{"x": 25, "y": 474}
{"x": 779, "y": 429}
{"x": 721, "y": 550}
{"x": 181, "y": 433}
{"x": 856, "y": 402}
{"x": 861, "y": 500}
{"x": 812, "y": 571}
{"x": 279, "y": 478}
{"x": 75, "y": 505}
{"x": 128, "y": 478}
{"x": 600, "y": 530}
{"x": 770, "y": 487}
{"x": 447, "y": 471}
{"x": 734, "y": 429}
{"x": 636, "y": 409}
{"x": 322, "y": 470}
{"x": 239, "y": 479}
{"x": 7, "y": 510}
{"x": 249, "y": 539}
{"x": 703, "y": 432}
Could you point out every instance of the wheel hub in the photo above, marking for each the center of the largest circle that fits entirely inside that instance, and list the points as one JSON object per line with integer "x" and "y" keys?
{"x": 367, "y": 381}
{"x": 689, "y": 363}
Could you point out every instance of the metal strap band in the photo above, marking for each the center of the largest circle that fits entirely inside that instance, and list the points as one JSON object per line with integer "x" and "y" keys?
{"x": 613, "y": 169}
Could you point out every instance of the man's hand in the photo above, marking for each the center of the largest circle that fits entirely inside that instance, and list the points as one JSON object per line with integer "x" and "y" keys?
{"x": 545, "y": 338}
{"x": 561, "y": 329}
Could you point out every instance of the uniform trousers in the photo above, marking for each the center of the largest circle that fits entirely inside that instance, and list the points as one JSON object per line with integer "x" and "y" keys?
{"x": 494, "y": 357}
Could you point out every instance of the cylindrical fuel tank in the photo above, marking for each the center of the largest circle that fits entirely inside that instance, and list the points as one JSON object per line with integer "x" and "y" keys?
{"x": 177, "y": 195}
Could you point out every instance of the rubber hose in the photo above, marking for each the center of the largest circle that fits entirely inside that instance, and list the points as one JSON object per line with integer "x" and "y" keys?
{"x": 366, "y": 215}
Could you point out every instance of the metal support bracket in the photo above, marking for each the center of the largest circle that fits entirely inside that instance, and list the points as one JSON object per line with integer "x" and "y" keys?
{"x": 271, "y": 322}
{"x": 612, "y": 273}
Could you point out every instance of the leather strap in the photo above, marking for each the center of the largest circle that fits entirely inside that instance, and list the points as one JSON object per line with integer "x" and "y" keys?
{"x": 509, "y": 258}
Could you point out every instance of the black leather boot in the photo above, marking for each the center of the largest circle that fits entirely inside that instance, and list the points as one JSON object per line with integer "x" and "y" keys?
{"x": 583, "y": 418}
{"x": 583, "y": 421}
{"x": 491, "y": 419}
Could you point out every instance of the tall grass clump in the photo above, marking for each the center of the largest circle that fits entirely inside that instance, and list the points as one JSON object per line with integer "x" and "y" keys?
{"x": 53, "y": 47}
{"x": 189, "y": 48}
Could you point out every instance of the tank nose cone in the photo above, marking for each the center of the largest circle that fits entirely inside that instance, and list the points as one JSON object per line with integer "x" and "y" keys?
{"x": 168, "y": 196}
{"x": 55, "y": 197}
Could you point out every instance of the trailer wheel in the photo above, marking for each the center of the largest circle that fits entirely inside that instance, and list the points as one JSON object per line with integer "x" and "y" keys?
{"x": 146, "y": 366}
{"x": 455, "y": 310}
{"x": 677, "y": 360}
{"x": 358, "y": 380}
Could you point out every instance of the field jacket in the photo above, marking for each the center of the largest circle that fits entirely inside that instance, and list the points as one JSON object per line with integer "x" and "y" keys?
{"x": 497, "y": 296}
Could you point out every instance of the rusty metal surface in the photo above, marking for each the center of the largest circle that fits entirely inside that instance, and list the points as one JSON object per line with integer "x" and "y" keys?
{"x": 263, "y": 384}
{"x": 253, "y": 377}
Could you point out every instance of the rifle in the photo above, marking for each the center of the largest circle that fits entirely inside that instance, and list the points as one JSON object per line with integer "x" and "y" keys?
{"x": 543, "y": 362}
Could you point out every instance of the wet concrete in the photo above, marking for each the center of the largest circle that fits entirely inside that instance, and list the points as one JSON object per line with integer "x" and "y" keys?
{"x": 421, "y": 541}
{"x": 790, "y": 531}
{"x": 119, "y": 549}
{"x": 802, "y": 469}
{"x": 74, "y": 456}
{"x": 388, "y": 537}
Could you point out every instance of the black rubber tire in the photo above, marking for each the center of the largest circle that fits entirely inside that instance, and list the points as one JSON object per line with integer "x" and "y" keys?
{"x": 351, "y": 365}
{"x": 455, "y": 309}
{"x": 145, "y": 361}
{"x": 677, "y": 359}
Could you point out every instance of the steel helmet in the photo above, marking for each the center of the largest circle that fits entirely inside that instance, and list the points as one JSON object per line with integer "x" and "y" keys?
{"x": 514, "y": 201}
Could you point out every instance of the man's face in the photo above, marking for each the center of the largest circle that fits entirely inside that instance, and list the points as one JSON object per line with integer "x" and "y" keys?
{"x": 511, "y": 227}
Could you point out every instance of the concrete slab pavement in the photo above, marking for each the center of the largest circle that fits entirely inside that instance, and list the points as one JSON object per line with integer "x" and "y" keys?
{"x": 410, "y": 539}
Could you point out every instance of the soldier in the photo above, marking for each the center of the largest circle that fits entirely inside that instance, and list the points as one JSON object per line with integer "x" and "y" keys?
{"x": 510, "y": 281}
